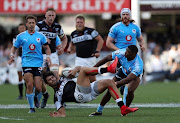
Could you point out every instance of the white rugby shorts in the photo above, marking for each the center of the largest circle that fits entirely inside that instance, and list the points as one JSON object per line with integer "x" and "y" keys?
{"x": 54, "y": 59}
{"x": 84, "y": 98}
{"x": 85, "y": 62}
{"x": 18, "y": 63}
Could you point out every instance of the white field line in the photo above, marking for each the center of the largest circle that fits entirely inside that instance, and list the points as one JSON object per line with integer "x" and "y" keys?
{"x": 6, "y": 118}
{"x": 77, "y": 105}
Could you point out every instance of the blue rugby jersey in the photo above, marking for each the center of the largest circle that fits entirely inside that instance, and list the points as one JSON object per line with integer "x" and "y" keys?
{"x": 134, "y": 66}
{"x": 31, "y": 48}
{"x": 124, "y": 35}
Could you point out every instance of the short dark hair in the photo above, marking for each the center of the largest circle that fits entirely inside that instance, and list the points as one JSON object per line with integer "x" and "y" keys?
{"x": 133, "y": 49}
{"x": 50, "y": 9}
{"x": 22, "y": 24}
{"x": 80, "y": 16}
{"x": 31, "y": 17}
{"x": 46, "y": 74}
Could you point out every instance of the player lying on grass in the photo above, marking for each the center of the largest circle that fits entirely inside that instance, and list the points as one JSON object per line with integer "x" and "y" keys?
{"x": 66, "y": 90}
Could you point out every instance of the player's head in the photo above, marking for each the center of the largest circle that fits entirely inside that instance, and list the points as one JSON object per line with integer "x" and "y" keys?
{"x": 80, "y": 22}
{"x": 50, "y": 15}
{"x": 125, "y": 15}
{"x": 21, "y": 27}
{"x": 31, "y": 22}
{"x": 50, "y": 79}
{"x": 131, "y": 52}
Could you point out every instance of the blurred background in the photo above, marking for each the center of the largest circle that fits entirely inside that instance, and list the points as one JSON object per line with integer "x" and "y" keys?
{"x": 159, "y": 21}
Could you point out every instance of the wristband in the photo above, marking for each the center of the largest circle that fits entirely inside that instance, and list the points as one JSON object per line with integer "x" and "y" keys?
{"x": 47, "y": 56}
{"x": 96, "y": 52}
{"x": 12, "y": 54}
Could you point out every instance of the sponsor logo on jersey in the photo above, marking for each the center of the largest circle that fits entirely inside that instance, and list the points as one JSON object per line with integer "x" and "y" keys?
{"x": 50, "y": 34}
{"x": 44, "y": 28}
{"x": 134, "y": 31}
{"x": 128, "y": 38}
{"x": 32, "y": 47}
{"x": 38, "y": 40}
{"x": 82, "y": 38}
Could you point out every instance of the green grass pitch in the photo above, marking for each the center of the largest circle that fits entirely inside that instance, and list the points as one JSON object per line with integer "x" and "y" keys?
{"x": 156, "y": 92}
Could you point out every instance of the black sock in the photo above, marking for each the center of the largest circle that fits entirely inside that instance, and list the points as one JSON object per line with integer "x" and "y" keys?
{"x": 20, "y": 86}
{"x": 120, "y": 104}
{"x": 45, "y": 95}
{"x": 103, "y": 70}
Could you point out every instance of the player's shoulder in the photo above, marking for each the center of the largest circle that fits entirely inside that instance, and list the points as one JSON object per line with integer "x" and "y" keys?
{"x": 21, "y": 34}
{"x": 40, "y": 33}
{"x": 117, "y": 24}
{"x": 40, "y": 23}
{"x": 134, "y": 24}
{"x": 89, "y": 29}
{"x": 57, "y": 25}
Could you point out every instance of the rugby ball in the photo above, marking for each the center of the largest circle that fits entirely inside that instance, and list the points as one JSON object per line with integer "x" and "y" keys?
{"x": 66, "y": 72}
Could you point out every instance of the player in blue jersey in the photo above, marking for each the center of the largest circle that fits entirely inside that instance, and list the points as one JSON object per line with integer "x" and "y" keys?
{"x": 32, "y": 58}
{"x": 129, "y": 73}
{"x": 124, "y": 33}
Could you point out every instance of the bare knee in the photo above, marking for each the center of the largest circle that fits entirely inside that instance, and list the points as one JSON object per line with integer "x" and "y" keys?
{"x": 38, "y": 89}
{"x": 110, "y": 82}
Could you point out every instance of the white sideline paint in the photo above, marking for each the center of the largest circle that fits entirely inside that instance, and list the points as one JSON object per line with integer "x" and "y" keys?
{"x": 110, "y": 105}
{"x": 6, "y": 118}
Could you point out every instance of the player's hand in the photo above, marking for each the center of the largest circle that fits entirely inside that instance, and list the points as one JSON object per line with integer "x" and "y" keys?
{"x": 11, "y": 59}
{"x": 56, "y": 114}
{"x": 142, "y": 47}
{"x": 60, "y": 50}
{"x": 49, "y": 41}
{"x": 96, "y": 54}
{"x": 72, "y": 73}
{"x": 48, "y": 61}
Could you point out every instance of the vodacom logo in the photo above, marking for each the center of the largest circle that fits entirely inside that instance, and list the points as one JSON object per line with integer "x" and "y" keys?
{"x": 128, "y": 38}
{"x": 32, "y": 47}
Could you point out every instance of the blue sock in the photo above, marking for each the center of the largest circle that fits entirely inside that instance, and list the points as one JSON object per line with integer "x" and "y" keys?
{"x": 30, "y": 98}
{"x": 100, "y": 108}
{"x": 125, "y": 94}
{"x": 39, "y": 96}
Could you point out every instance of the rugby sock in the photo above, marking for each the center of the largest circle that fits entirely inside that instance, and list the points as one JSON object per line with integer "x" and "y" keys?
{"x": 20, "y": 86}
{"x": 93, "y": 71}
{"x": 39, "y": 96}
{"x": 30, "y": 98}
{"x": 119, "y": 102}
{"x": 125, "y": 94}
{"x": 100, "y": 108}
{"x": 102, "y": 70}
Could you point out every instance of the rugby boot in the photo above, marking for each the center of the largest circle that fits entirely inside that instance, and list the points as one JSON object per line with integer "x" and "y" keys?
{"x": 112, "y": 67}
{"x": 96, "y": 113}
{"x": 125, "y": 110}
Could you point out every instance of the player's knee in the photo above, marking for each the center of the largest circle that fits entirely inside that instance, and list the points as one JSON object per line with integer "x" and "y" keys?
{"x": 111, "y": 82}
{"x": 38, "y": 89}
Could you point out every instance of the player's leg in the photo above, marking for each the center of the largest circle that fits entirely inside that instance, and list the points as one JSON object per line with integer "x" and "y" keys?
{"x": 113, "y": 90}
{"x": 28, "y": 77}
{"x": 131, "y": 88}
{"x": 20, "y": 85}
{"x": 45, "y": 95}
{"x": 21, "y": 81}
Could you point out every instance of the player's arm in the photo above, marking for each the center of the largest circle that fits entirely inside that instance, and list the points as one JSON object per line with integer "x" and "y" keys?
{"x": 60, "y": 113}
{"x": 141, "y": 42}
{"x": 71, "y": 47}
{"x": 110, "y": 44}
{"x": 99, "y": 46}
{"x": 104, "y": 60}
{"x": 48, "y": 52}
{"x": 11, "y": 57}
{"x": 126, "y": 80}
{"x": 64, "y": 41}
